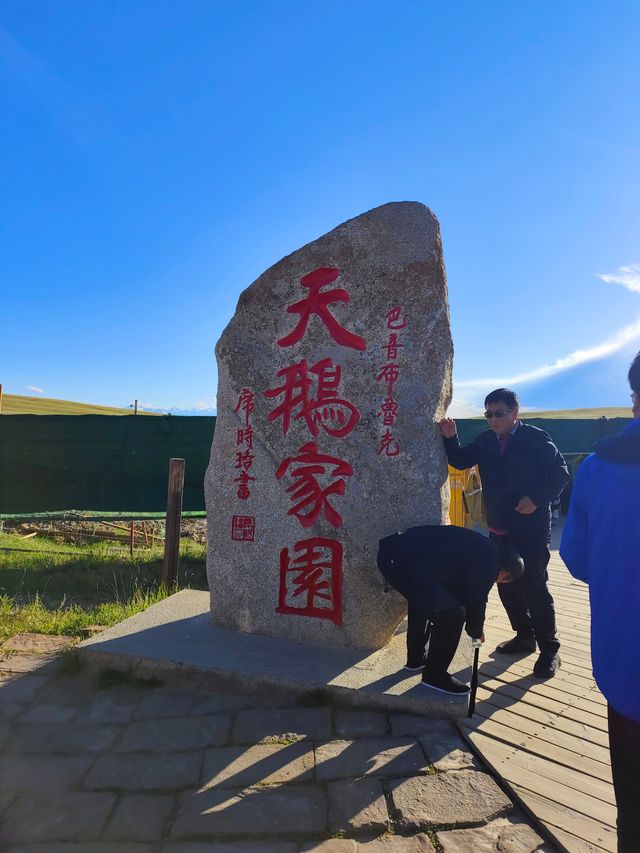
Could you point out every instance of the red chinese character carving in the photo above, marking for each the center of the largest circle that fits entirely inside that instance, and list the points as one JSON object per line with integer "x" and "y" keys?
{"x": 392, "y": 347}
{"x": 244, "y": 460}
{"x": 243, "y": 528}
{"x": 394, "y": 321}
{"x": 311, "y": 582}
{"x": 245, "y": 403}
{"x": 389, "y": 373}
{"x": 245, "y": 436}
{"x": 388, "y": 411}
{"x": 312, "y": 498}
{"x": 243, "y": 489}
{"x": 388, "y": 445}
{"x": 317, "y": 302}
{"x": 337, "y": 417}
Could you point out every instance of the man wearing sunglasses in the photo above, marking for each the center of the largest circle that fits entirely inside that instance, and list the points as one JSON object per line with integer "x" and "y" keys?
{"x": 522, "y": 471}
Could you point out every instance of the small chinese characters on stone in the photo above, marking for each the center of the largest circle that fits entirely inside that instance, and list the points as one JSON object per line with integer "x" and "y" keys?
{"x": 311, "y": 579}
{"x": 244, "y": 492}
{"x": 245, "y": 437}
{"x": 394, "y": 320}
{"x": 317, "y": 302}
{"x": 393, "y": 347}
{"x": 336, "y": 416}
{"x": 243, "y": 528}
{"x": 388, "y": 411}
{"x": 245, "y": 404}
{"x": 388, "y": 445}
{"x": 389, "y": 373}
{"x": 310, "y": 496}
{"x": 244, "y": 459}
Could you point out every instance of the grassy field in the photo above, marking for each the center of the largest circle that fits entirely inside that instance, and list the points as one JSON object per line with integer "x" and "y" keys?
{"x": 48, "y": 587}
{"x": 611, "y": 412}
{"x": 14, "y": 404}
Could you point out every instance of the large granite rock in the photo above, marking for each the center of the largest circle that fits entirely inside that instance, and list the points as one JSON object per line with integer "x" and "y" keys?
{"x": 333, "y": 374}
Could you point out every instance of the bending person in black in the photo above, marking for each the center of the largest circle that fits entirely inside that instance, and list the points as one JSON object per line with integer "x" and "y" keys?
{"x": 445, "y": 573}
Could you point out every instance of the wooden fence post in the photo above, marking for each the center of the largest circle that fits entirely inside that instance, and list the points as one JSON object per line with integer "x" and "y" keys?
{"x": 174, "y": 517}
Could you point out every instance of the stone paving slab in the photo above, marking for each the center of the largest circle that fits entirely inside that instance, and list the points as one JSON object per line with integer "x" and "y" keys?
{"x": 293, "y": 723}
{"x": 353, "y": 724}
{"x": 78, "y": 738}
{"x": 21, "y": 688}
{"x": 56, "y": 817}
{"x": 48, "y": 714}
{"x": 20, "y": 663}
{"x": 175, "y": 735}
{"x": 109, "y": 709}
{"x": 267, "y": 764}
{"x": 140, "y": 817}
{"x": 83, "y": 847}
{"x": 356, "y": 805}
{"x": 463, "y": 798}
{"x": 42, "y": 774}
{"x": 448, "y": 751}
{"x": 165, "y": 703}
{"x": 500, "y": 836}
{"x": 230, "y": 702}
{"x": 230, "y": 847}
{"x": 390, "y": 844}
{"x": 148, "y": 772}
{"x": 38, "y": 643}
{"x": 282, "y": 811}
{"x": 349, "y": 759}
{"x": 412, "y": 725}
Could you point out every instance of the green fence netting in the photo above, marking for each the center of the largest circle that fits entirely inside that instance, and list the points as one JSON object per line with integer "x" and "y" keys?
{"x": 51, "y": 463}
{"x": 101, "y": 462}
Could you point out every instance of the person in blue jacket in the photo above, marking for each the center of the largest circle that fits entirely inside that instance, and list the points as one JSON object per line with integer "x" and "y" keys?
{"x": 601, "y": 546}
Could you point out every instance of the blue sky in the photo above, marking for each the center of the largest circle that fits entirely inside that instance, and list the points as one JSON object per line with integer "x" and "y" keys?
{"x": 158, "y": 156}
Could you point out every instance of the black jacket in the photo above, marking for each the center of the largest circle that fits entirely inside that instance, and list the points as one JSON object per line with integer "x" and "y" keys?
{"x": 531, "y": 466}
{"x": 436, "y": 568}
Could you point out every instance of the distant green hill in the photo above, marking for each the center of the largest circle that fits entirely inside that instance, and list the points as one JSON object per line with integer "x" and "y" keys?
{"x": 14, "y": 404}
{"x": 611, "y": 412}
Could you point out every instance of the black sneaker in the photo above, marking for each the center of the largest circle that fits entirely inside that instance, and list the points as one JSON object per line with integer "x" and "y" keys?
{"x": 446, "y": 684}
{"x": 415, "y": 664}
{"x": 547, "y": 665}
{"x": 518, "y": 645}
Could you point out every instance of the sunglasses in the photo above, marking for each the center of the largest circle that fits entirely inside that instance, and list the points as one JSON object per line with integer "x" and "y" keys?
{"x": 499, "y": 413}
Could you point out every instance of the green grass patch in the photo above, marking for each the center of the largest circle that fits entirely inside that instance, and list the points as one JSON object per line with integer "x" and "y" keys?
{"x": 90, "y": 574}
{"x": 17, "y": 404}
{"x": 51, "y": 588}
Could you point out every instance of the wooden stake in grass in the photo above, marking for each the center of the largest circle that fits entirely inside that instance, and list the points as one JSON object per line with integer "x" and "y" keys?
{"x": 174, "y": 517}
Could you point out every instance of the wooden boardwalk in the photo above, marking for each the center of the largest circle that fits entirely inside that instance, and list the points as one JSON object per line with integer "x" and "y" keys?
{"x": 548, "y": 740}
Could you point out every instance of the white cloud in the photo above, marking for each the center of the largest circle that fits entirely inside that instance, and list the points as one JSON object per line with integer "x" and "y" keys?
{"x": 581, "y": 356}
{"x": 35, "y": 389}
{"x": 628, "y": 277}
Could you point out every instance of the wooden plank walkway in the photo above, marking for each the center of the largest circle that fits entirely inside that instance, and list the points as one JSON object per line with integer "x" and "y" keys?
{"x": 548, "y": 740}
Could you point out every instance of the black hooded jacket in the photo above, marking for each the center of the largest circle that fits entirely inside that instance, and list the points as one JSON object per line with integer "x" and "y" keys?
{"x": 439, "y": 567}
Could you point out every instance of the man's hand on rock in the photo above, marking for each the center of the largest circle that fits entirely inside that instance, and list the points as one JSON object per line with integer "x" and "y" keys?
{"x": 448, "y": 428}
{"x": 526, "y": 506}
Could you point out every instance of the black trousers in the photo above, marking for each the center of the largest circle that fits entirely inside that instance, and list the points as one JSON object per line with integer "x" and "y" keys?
{"x": 442, "y": 631}
{"x": 624, "y": 745}
{"x": 528, "y": 602}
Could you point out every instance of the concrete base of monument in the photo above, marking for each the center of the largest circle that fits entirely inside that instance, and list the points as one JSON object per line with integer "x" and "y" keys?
{"x": 176, "y": 640}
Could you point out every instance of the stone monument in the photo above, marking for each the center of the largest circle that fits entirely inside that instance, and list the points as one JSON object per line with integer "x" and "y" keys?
{"x": 333, "y": 374}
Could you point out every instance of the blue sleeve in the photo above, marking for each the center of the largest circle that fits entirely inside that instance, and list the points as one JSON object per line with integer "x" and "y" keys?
{"x": 574, "y": 544}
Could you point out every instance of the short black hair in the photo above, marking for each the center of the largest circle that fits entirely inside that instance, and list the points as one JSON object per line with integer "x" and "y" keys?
{"x": 634, "y": 374}
{"x": 503, "y": 395}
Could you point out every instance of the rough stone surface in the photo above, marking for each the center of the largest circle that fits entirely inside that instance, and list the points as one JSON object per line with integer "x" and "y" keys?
{"x": 357, "y": 805}
{"x": 388, "y": 258}
{"x": 175, "y": 735}
{"x": 230, "y": 847}
{"x": 255, "y": 811}
{"x": 465, "y": 797}
{"x": 15, "y": 663}
{"x": 139, "y": 818}
{"x": 344, "y": 759}
{"x": 292, "y": 723}
{"x": 416, "y": 844}
{"x": 41, "y": 773}
{"x": 78, "y": 738}
{"x": 352, "y": 724}
{"x": 83, "y": 847}
{"x": 48, "y": 714}
{"x": 505, "y": 835}
{"x": 38, "y": 643}
{"x": 153, "y": 771}
{"x": 266, "y": 764}
{"x": 412, "y": 725}
{"x": 56, "y": 817}
{"x": 165, "y": 703}
{"x": 20, "y": 689}
{"x": 332, "y": 845}
{"x": 447, "y": 751}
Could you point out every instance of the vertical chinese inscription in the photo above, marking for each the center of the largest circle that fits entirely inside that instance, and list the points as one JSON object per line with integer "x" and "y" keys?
{"x": 311, "y": 571}
{"x": 243, "y": 527}
{"x": 388, "y": 374}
